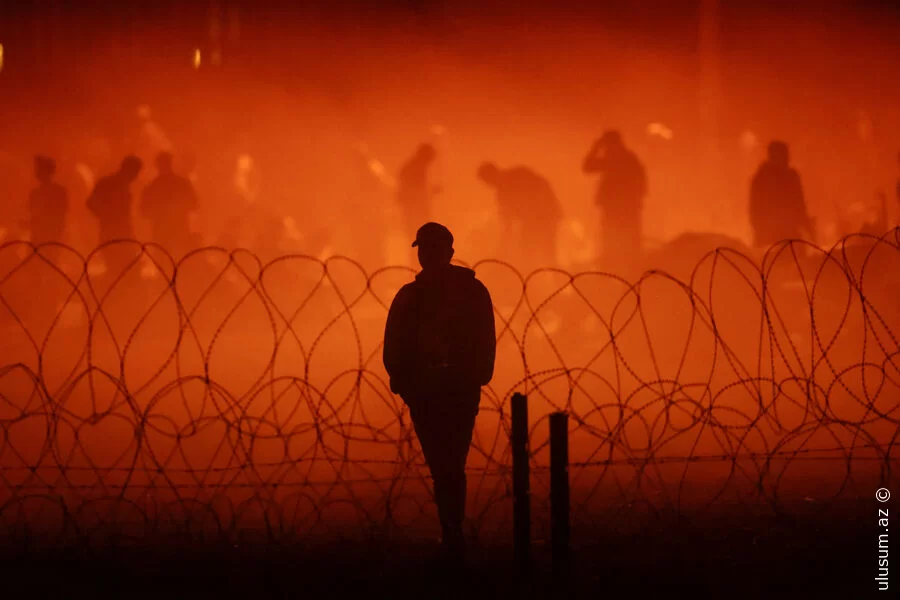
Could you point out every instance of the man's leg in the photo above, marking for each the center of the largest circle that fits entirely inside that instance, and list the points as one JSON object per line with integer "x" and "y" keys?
{"x": 635, "y": 237}
{"x": 608, "y": 242}
{"x": 453, "y": 474}
{"x": 445, "y": 439}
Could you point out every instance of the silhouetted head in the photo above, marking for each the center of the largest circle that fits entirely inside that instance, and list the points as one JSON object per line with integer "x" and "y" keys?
{"x": 778, "y": 153}
{"x": 426, "y": 152}
{"x": 611, "y": 138}
{"x": 44, "y": 168}
{"x": 131, "y": 166}
{"x": 435, "y": 244}
{"x": 164, "y": 162}
{"x": 488, "y": 173}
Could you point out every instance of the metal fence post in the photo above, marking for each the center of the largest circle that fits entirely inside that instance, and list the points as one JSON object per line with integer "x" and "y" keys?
{"x": 521, "y": 486}
{"x": 559, "y": 498}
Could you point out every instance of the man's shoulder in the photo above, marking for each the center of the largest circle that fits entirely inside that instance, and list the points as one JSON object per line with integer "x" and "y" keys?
{"x": 407, "y": 288}
{"x": 763, "y": 172}
{"x": 405, "y": 294}
{"x": 105, "y": 182}
{"x": 458, "y": 277}
{"x": 468, "y": 280}
{"x": 480, "y": 288}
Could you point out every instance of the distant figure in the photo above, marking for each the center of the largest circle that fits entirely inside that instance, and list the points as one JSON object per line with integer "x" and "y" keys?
{"x": 110, "y": 203}
{"x": 168, "y": 203}
{"x": 620, "y": 196}
{"x": 414, "y": 193}
{"x": 439, "y": 349}
{"x": 777, "y": 205}
{"x": 528, "y": 209}
{"x": 48, "y": 206}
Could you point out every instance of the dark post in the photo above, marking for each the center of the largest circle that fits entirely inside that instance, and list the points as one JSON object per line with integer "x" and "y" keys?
{"x": 559, "y": 498}
{"x": 521, "y": 491}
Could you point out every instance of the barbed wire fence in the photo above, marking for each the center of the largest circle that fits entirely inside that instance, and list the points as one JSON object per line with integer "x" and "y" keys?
{"x": 220, "y": 398}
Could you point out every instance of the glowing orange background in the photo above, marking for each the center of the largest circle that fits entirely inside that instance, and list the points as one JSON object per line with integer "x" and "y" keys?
{"x": 303, "y": 101}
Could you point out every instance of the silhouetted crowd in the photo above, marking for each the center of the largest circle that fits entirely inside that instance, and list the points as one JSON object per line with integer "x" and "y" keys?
{"x": 529, "y": 212}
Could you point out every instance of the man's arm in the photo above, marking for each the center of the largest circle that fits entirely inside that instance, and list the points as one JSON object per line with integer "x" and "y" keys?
{"x": 486, "y": 341}
{"x": 93, "y": 201}
{"x": 593, "y": 163}
{"x": 191, "y": 195}
{"x": 394, "y": 354}
{"x": 642, "y": 180}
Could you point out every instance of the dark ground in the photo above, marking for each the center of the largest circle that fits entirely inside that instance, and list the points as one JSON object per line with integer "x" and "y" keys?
{"x": 769, "y": 558}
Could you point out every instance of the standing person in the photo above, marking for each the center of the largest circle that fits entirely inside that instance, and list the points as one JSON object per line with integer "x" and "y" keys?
{"x": 439, "y": 349}
{"x": 110, "y": 203}
{"x": 528, "y": 209}
{"x": 168, "y": 203}
{"x": 620, "y": 196}
{"x": 414, "y": 193}
{"x": 48, "y": 206}
{"x": 777, "y": 205}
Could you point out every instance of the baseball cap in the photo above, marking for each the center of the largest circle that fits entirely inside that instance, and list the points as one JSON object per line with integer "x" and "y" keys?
{"x": 433, "y": 234}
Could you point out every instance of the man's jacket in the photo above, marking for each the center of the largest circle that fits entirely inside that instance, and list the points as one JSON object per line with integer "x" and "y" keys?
{"x": 110, "y": 202}
{"x": 440, "y": 334}
{"x": 777, "y": 205}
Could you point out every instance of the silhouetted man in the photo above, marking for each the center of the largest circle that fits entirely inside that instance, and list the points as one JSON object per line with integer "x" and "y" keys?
{"x": 413, "y": 190}
{"x": 620, "y": 196}
{"x": 48, "y": 206}
{"x": 528, "y": 209}
{"x": 439, "y": 348}
{"x": 168, "y": 202}
{"x": 777, "y": 206}
{"x": 110, "y": 203}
